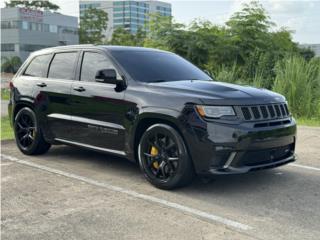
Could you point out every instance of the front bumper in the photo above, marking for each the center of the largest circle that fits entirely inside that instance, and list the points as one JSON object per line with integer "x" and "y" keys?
{"x": 218, "y": 148}
{"x": 258, "y": 166}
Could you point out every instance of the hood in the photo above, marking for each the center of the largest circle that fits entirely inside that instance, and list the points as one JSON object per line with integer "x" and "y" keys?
{"x": 211, "y": 92}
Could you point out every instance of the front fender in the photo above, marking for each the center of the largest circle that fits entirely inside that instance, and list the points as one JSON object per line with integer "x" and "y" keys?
{"x": 151, "y": 115}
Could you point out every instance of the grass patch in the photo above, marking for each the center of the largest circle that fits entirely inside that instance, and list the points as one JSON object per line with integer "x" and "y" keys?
{"x": 313, "y": 122}
{"x": 6, "y": 130}
{"x": 5, "y": 93}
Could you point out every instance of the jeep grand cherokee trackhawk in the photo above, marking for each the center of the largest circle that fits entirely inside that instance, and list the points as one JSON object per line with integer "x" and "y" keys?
{"x": 149, "y": 106}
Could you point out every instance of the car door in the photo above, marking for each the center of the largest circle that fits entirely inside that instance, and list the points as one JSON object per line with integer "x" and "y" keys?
{"x": 53, "y": 94}
{"x": 98, "y": 108}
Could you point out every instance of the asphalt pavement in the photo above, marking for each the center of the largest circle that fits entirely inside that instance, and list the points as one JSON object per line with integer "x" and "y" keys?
{"x": 70, "y": 193}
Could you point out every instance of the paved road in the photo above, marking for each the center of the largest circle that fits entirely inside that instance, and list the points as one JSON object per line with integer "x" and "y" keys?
{"x": 78, "y": 194}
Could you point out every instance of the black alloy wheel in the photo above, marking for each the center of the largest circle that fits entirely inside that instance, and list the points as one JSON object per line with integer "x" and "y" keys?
{"x": 25, "y": 129}
{"x": 28, "y": 134}
{"x": 163, "y": 157}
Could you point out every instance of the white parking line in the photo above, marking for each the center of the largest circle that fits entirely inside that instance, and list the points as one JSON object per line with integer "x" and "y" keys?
{"x": 304, "y": 166}
{"x": 173, "y": 205}
{"x": 5, "y": 164}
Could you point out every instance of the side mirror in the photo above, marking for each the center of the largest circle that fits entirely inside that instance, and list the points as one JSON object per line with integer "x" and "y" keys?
{"x": 107, "y": 76}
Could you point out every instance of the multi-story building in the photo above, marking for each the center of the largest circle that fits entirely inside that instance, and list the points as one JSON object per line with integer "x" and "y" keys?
{"x": 24, "y": 31}
{"x": 130, "y": 15}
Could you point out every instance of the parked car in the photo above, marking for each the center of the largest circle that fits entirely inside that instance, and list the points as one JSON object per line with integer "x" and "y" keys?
{"x": 149, "y": 106}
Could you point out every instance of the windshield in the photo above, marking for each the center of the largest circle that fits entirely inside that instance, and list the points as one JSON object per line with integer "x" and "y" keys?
{"x": 153, "y": 66}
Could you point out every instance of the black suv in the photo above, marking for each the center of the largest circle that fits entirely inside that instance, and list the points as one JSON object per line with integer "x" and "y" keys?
{"x": 149, "y": 106}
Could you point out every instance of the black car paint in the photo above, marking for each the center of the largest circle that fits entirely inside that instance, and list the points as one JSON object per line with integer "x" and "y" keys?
{"x": 109, "y": 119}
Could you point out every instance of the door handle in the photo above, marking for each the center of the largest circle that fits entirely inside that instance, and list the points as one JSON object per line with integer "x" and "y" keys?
{"x": 79, "y": 89}
{"x": 41, "y": 84}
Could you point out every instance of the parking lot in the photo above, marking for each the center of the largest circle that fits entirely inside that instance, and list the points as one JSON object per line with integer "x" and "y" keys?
{"x": 71, "y": 193}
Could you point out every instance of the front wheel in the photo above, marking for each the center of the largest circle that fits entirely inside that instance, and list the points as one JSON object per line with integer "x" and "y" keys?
{"x": 163, "y": 157}
{"x": 28, "y": 134}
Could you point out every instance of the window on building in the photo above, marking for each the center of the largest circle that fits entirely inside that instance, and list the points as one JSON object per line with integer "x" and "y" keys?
{"x": 118, "y": 3}
{"x": 67, "y": 30}
{"x": 120, "y": 20}
{"x": 10, "y": 24}
{"x": 15, "y": 24}
{"x": 117, "y": 9}
{"x": 7, "y": 47}
{"x": 134, "y": 9}
{"x": 46, "y": 27}
{"x": 33, "y": 27}
{"x": 25, "y": 25}
{"x": 62, "y": 65}
{"x": 115, "y": 15}
{"x": 38, "y": 66}
{"x": 53, "y": 28}
{"x": 31, "y": 47}
{"x": 5, "y": 24}
{"x": 93, "y": 62}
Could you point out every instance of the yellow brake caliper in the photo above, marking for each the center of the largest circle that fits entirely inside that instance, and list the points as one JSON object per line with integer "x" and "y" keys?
{"x": 154, "y": 152}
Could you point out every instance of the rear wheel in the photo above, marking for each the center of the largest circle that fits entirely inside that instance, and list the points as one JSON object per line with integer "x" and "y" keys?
{"x": 28, "y": 135}
{"x": 163, "y": 157}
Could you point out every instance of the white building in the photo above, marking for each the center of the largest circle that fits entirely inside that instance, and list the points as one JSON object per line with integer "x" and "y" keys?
{"x": 24, "y": 31}
{"x": 130, "y": 15}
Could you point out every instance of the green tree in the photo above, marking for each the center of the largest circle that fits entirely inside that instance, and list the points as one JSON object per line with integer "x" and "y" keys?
{"x": 37, "y": 5}
{"x": 164, "y": 33}
{"x": 10, "y": 65}
{"x": 249, "y": 30}
{"x": 92, "y": 25}
{"x": 123, "y": 37}
{"x": 209, "y": 46}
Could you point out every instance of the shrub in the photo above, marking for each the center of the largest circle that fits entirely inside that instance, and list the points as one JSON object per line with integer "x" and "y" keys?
{"x": 10, "y": 65}
{"x": 299, "y": 81}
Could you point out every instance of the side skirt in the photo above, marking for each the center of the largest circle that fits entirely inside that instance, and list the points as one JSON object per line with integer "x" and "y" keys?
{"x": 87, "y": 146}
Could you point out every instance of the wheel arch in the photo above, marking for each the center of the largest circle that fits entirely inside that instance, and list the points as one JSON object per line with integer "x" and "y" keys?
{"x": 146, "y": 120}
{"x": 18, "y": 106}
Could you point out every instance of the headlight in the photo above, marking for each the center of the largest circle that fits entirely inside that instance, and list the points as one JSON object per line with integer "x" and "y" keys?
{"x": 215, "y": 111}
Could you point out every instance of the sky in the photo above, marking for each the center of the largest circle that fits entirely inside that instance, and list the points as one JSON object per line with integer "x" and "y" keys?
{"x": 302, "y": 17}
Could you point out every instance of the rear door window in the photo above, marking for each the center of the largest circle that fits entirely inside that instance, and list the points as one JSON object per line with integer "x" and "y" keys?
{"x": 38, "y": 66}
{"x": 63, "y": 66}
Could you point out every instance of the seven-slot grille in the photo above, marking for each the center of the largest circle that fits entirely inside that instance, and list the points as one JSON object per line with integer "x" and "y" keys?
{"x": 265, "y": 112}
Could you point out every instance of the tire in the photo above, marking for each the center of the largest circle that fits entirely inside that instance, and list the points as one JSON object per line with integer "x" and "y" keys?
{"x": 28, "y": 134}
{"x": 173, "y": 163}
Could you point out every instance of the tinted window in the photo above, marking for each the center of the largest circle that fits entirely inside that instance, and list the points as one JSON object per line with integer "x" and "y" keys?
{"x": 152, "y": 66}
{"x": 93, "y": 62}
{"x": 38, "y": 66}
{"x": 62, "y": 65}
